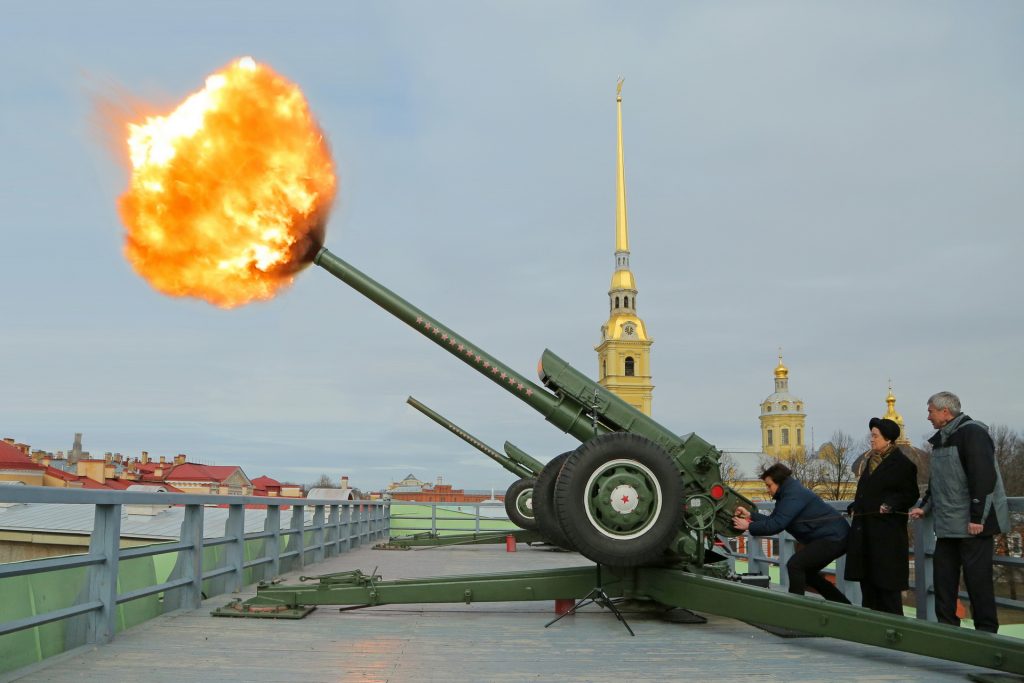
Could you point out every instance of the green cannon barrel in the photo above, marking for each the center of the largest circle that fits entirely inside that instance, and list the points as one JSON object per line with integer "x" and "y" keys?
{"x": 498, "y": 457}
{"x": 567, "y": 416}
{"x": 520, "y": 456}
{"x": 576, "y": 405}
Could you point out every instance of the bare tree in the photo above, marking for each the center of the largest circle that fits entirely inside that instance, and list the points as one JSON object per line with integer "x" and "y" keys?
{"x": 807, "y": 470}
{"x": 323, "y": 482}
{"x": 1010, "y": 457}
{"x": 728, "y": 469}
{"x": 836, "y": 458}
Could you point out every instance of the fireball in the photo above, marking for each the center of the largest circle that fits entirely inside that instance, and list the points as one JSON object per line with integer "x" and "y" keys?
{"x": 229, "y": 193}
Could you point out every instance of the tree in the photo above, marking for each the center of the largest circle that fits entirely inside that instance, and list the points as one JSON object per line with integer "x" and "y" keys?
{"x": 728, "y": 470}
{"x": 836, "y": 458}
{"x": 807, "y": 470}
{"x": 1009, "y": 447}
{"x": 324, "y": 482}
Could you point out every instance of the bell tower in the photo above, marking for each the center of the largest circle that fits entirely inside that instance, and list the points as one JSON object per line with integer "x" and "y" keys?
{"x": 624, "y": 354}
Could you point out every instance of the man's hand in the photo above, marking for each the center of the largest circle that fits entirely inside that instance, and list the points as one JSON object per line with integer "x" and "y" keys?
{"x": 884, "y": 509}
{"x": 741, "y": 512}
{"x": 740, "y": 523}
{"x": 916, "y": 513}
{"x": 974, "y": 529}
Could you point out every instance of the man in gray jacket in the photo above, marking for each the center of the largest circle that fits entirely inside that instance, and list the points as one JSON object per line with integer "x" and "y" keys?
{"x": 965, "y": 497}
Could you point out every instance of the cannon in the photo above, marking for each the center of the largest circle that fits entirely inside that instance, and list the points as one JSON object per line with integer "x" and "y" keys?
{"x": 633, "y": 494}
{"x": 641, "y": 502}
{"x": 518, "y": 496}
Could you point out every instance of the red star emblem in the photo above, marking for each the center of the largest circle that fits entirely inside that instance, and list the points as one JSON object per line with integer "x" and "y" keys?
{"x": 486, "y": 364}
{"x": 529, "y": 392}
{"x": 494, "y": 370}
{"x": 478, "y": 359}
{"x": 426, "y": 326}
{"x": 419, "y": 319}
{"x": 503, "y": 375}
{"x": 625, "y": 499}
{"x": 461, "y": 347}
{"x": 519, "y": 386}
{"x": 451, "y": 342}
{"x": 444, "y": 337}
{"x": 437, "y": 330}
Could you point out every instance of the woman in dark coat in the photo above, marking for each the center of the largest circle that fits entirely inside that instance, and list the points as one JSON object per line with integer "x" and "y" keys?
{"x": 878, "y": 548}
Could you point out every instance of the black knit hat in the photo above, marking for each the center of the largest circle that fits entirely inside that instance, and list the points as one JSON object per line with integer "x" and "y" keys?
{"x": 889, "y": 430}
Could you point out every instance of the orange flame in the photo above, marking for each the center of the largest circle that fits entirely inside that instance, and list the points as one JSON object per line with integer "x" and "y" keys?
{"x": 230, "y": 192}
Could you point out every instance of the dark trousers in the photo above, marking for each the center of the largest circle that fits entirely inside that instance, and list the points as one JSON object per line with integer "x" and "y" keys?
{"x": 974, "y": 556}
{"x": 804, "y": 566}
{"x": 881, "y": 599}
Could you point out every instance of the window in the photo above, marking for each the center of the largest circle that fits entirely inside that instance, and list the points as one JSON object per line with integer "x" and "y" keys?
{"x": 604, "y": 368}
{"x": 629, "y": 366}
{"x": 785, "y": 407}
{"x": 798, "y": 438}
{"x": 785, "y": 436}
{"x": 616, "y": 302}
{"x": 768, "y": 409}
{"x": 771, "y": 442}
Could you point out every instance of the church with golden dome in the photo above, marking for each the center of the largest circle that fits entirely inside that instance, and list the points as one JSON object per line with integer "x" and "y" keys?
{"x": 624, "y": 354}
{"x": 783, "y": 431}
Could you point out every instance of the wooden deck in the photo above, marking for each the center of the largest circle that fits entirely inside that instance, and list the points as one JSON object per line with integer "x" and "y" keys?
{"x": 479, "y": 642}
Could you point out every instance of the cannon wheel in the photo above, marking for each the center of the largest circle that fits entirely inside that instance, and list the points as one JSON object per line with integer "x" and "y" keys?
{"x": 519, "y": 503}
{"x": 544, "y": 503}
{"x": 619, "y": 500}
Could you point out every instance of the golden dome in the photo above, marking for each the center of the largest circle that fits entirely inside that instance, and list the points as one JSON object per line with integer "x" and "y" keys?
{"x": 781, "y": 371}
{"x": 623, "y": 279}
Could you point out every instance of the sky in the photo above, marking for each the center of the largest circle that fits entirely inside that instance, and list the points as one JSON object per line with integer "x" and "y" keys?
{"x": 841, "y": 180}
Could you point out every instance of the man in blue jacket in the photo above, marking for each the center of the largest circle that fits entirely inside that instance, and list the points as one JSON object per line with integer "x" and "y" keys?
{"x": 821, "y": 530}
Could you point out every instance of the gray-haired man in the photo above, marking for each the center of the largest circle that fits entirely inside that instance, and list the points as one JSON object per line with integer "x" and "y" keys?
{"x": 966, "y": 499}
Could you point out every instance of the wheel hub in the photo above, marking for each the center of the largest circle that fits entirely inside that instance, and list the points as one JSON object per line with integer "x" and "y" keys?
{"x": 623, "y": 499}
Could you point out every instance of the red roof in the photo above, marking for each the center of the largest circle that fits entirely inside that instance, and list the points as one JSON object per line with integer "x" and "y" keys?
{"x": 194, "y": 472}
{"x": 12, "y": 458}
{"x": 265, "y": 481}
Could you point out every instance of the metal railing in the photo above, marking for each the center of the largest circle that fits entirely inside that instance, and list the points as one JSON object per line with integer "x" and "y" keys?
{"x": 782, "y": 546}
{"x": 335, "y": 526}
{"x": 449, "y": 518}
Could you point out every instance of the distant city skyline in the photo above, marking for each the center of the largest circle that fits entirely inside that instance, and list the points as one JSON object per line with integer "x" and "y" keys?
{"x": 839, "y": 180}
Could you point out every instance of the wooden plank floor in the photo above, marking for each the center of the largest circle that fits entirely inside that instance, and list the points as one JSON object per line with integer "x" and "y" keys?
{"x": 480, "y": 642}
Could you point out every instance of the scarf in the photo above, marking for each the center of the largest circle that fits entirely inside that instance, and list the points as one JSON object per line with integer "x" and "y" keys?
{"x": 875, "y": 459}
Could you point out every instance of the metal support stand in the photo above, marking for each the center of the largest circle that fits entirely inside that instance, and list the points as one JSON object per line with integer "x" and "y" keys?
{"x": 596, "y": 596}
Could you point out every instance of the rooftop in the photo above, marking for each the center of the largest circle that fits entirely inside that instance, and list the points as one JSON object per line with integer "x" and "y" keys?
{"x": 478, "y": 642}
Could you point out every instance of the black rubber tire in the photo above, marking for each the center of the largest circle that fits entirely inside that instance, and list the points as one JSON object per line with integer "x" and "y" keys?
{"x": 593, "y": 531}
{"x": 544, "y": 503}
{"x": 512, "y": 496}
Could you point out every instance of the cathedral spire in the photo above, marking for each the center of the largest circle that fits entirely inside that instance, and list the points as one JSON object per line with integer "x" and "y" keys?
{"x": 621, "y": 225}
{"x": 624, "y": 351}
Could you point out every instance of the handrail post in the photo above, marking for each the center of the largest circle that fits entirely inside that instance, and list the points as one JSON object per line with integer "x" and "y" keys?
{"x": 105, "y": 545}
{"x": 334, "y": 531}
{"x": 272, "y": 524}
{"x": 433, "y": 518}
{"x": 924, "y": 547}
{"x": 298, "y": 524}
{"x": 346, "y": 525}
{"x": 786, "y": 551}
{"x": 192, "y": 533}
{"x": 236, "y": 549}
{"x": 318, "y": 533}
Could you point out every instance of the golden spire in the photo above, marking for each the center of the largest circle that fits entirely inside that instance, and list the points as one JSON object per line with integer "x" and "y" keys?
{"x": 781, "y": 371}
{"x": 891, "y": 414}
{"x": 621, "y": 228}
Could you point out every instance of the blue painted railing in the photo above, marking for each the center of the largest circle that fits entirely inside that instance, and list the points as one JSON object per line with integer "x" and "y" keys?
{"x": 336, "y": 526}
